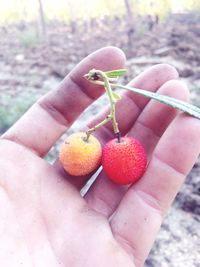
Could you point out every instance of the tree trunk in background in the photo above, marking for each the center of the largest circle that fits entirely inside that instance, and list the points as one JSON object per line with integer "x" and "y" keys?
{"x": 128, "y": 11}
{"x": 130, "y": 24}
{"x": 42, "y": 18}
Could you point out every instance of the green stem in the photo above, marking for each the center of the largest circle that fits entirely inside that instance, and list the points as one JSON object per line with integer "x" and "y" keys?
{"x": 91, "y": 130}
{"x": 108, "y": 89}
{"x": 108, "y": 79}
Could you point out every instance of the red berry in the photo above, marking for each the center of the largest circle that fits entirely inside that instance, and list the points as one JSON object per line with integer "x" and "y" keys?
{"x": 124, "y": 162}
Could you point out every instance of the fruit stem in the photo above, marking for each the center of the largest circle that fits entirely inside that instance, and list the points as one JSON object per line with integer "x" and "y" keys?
{"x": 109, "y": 79}
{"x": 118, "y": 136}
{"x": 94, "y": 76}
{"x": 93, "y": 129}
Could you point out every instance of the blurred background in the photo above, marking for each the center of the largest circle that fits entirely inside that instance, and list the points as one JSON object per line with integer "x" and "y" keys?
{"x": 42, "y": 40}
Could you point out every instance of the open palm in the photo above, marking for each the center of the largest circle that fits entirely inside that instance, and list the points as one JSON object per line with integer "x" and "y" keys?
{"x": 44, "y": 221}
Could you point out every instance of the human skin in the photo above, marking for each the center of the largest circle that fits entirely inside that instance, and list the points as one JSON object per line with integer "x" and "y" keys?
{"x": 44, "y": 221}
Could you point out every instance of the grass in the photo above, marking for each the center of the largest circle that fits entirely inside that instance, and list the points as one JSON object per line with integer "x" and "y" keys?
{"x": 11, "y": 109}
{"x": 29, "y": 38}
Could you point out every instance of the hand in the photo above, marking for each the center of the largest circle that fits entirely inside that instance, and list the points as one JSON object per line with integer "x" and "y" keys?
{"x": 43, "y": 219}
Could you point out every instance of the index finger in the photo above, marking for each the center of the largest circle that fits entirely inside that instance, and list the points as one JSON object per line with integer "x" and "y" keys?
{"x": 48, "y": 118}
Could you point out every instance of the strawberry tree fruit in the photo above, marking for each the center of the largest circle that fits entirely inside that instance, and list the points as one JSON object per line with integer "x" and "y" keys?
{"x": 79, "y": 155}
{"x": 124, "y": 162}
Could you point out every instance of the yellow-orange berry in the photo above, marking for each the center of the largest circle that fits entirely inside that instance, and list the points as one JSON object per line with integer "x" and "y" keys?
{"x": 80, "y": 156}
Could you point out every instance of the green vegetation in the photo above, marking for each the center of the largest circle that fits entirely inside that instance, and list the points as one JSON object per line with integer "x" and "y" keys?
{"x": 191, "y": 5}
{"x": 28, "y": 10}
{"x": 11, "y": 109}
{"x": 160, "y": 8}
{"x": 29, "y": 38}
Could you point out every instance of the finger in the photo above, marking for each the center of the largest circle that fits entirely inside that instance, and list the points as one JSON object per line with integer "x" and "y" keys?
{"x": 152, "y": 80}
{"x": 44, "y": 123}
{"x": 105, "y": 195}
{"x": 147, "y": 80}
{"x": 139, "y": 215}
{"x": 155, "y": 118}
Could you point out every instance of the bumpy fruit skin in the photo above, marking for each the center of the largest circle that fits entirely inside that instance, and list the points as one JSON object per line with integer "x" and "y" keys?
{"x": 78, "y": 156}
{"x": 124, "y": 162}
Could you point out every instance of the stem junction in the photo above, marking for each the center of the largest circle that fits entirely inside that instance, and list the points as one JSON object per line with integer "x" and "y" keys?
{"x": 108, "y": 80}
